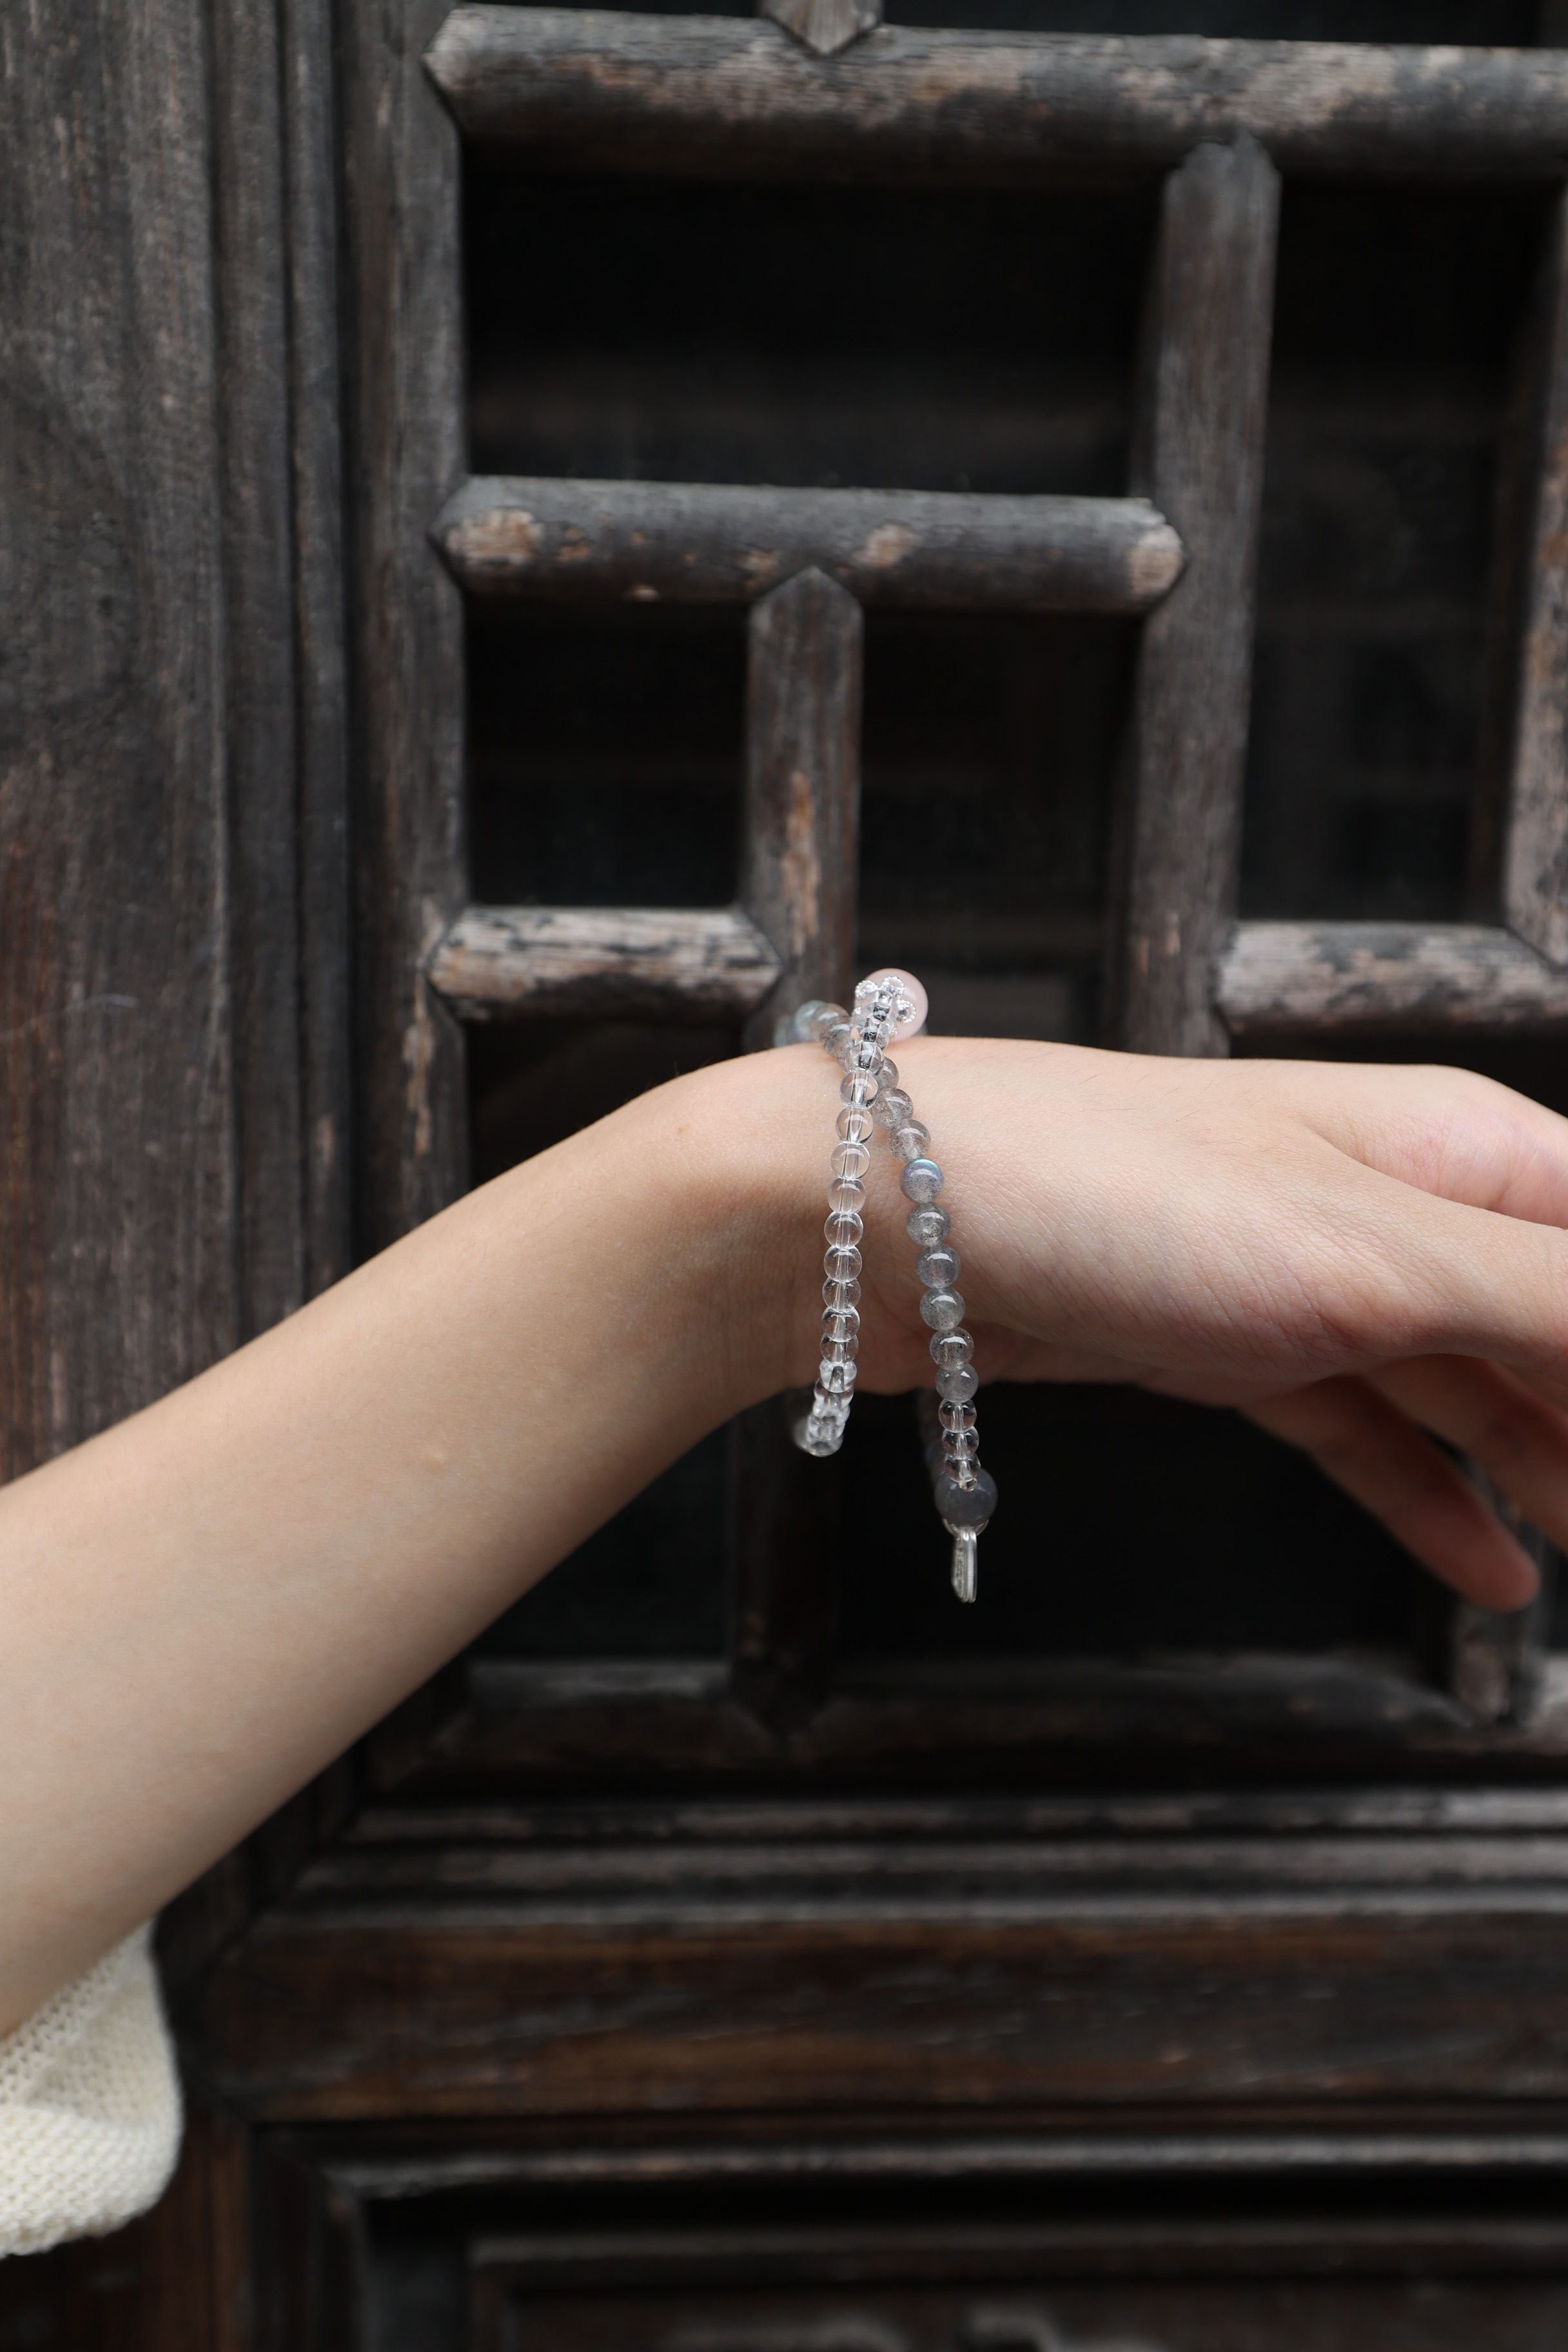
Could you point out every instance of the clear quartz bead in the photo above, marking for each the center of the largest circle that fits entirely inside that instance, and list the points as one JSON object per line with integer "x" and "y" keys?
{"x": 956, "y": 1415}
{"x": 955, "y": 1384}
{"x": 843, "y": 1294}
{"x": 840, "y": 1351}
{"x": 951, "y": 1348}
{"x": 938, "y": 1268}
{"x": 909, "y": 1141}
{"x": 844, "y": 1228}
{"x": 894, "y": 1108}
{"x": 842, "y": 1263}
{"x": 960, "y": 1445}
{"x": 813, "y": 1437}
{"x": 942, "y": 1309}
{"x": 922, "y": 1180}
{"x": 850, "y": 1159}
{"x": 928, "y": 1224}
{"x": 841, "y": 1323}
{"x": 858, "y": 1089}
{"x": 854, "y": 1126}
{"x": 844, "y": 1192}
{"x": 837, "y": 1378}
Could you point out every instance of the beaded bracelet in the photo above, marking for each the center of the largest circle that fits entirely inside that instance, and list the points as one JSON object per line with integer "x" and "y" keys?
{"x": 890, "y": 1005}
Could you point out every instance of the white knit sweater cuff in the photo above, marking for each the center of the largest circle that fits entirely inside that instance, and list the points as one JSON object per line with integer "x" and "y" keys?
{"x": 89, "y": 2105}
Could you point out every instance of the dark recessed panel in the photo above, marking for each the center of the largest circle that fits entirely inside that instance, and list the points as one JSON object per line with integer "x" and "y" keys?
{"x": 1128, "y": 1524}
{"x": 911, "y": 339}
{"x": 605, "y": 754}
{"x": 989, "y": 755}
{"x": 1398, "y": 318}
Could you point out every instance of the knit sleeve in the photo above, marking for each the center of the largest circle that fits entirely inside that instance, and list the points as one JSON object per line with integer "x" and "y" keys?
{"x": 89, "y": 2105}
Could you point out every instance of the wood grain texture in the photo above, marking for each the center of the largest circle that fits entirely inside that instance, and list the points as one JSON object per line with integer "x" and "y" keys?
{"x": 405, "y": 441}
{"x": 1304, "y": 977}
{"x": 799, "y": 883}
{"x": 703, "y": 543}
{"x": 628, "y": 93}
{"x": 260, "y": 703}
{"x": 1535, "y": 852}
{"x": 318, "y": 586}
{"x": 1199, "y": 454}
{"x": 606, "y": 963}
{"x": 118, "y": 1174}
{"x": 1086, "y": 1976}
{"x": 1035, "y": 1723}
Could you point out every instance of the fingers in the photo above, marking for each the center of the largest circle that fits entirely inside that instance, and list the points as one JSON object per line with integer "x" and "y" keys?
{"x": 1519, "y": 1440}
{"x": 1372, "y": 1449}
{"x": 1439, "y": 1278}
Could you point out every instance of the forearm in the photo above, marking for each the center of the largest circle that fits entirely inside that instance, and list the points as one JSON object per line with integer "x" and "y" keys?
{"x": 204, "y": 1605}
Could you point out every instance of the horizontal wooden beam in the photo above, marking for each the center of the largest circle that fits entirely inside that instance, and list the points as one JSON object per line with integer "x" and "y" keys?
{"x": 637, "y": 963}
{"x": 733, "y": 96}
{"x": 710, "y": 544}
{"x": 1317, "y": 977}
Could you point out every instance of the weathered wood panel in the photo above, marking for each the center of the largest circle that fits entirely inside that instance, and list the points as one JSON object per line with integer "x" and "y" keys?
{"x": 799, "y": 881}
{"x": 1307, "y": 977}
{"x": 989, "y": 1989}
{"x": 1535, "y": 855}
{"x": 603, "y": 963}
{"x": 117, "y": 1164}
{"x": 637, "y": 93}
{"x": 702, "y": 543}
{"x": 402, "y": 287}
{"x": 319, "y": 592}
{"x": 1038, "y": 1723}
{"x": 1199, "y": 453}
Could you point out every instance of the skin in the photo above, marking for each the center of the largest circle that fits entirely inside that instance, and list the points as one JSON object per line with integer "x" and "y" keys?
{"x": 205, "y": 1604}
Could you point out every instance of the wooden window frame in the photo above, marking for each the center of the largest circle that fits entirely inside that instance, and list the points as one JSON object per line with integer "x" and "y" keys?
{"x": 1211, "y": 125}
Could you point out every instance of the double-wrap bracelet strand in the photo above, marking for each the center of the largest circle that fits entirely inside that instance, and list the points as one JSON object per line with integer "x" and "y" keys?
{"x": 890, "y": 1005}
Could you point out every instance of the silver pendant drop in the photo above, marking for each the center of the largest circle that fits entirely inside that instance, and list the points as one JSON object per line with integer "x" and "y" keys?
{"x": 965, "y": 1560}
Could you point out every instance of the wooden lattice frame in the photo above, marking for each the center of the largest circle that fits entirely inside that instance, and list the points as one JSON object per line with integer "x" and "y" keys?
{"x": 1213, "y": 124}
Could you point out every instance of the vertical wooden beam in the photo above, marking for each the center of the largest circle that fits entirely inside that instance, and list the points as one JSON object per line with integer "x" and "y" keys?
{"x": 799, "y": 886}
{"x": 407, "y": 438}
{"x": 1535, "y": 849}
{"x": 260, "y": 703}
{"x": 321, "y": 678}
{"x": 118, "y": 1275}
{"x": 1198, "y": 453}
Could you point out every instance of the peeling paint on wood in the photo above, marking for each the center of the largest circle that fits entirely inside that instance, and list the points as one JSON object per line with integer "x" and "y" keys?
{"x": 636, "y": 93}
{"x": 604, "y": 962}
{"x": 705, "y": 543}
{"x": 1312, "y": 977}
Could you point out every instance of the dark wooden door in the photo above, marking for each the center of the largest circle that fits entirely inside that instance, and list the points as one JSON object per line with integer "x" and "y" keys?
{"x": 541, "y": 538}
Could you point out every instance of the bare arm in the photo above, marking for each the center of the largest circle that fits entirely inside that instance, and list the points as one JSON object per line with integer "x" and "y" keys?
{"x": 204, "y": 1605}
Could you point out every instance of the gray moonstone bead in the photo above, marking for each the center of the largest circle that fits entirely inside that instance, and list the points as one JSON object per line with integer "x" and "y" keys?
{"x": 922, "y": 1180}
{"x": 955, "y": 1384}
{"x": 941, "y": 1310}
{"x": 928, "y": 1224}
{"x": 965, "y": 1506}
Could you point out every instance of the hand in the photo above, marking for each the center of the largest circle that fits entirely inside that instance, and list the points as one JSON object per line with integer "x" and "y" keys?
{"x": 1362, "y": 1259}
